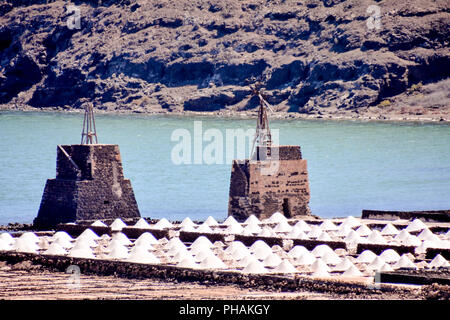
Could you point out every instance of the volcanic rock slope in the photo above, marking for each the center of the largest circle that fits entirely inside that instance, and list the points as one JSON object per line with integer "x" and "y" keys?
{"x": 199, "y": 55}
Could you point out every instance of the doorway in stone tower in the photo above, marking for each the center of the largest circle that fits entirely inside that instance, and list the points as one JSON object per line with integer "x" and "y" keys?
{"x": 287, "y": 208}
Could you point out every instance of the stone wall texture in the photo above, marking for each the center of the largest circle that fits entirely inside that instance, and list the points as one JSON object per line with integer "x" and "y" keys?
{"x": 262, "y": 186}
{"x": 93, "y": 189}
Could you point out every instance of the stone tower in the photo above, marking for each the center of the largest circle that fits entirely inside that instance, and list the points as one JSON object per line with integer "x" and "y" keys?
{"x": 274, "y": 179}
{"x": 89, "y": 183}
{"x": 257, "y": 189}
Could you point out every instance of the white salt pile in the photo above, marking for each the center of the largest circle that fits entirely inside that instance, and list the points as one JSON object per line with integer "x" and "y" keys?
{"x": 297, "y": 251}
{"x": 321, "y": 249}
{"x": 324, "y": 236}
{"x": 319, "y": 265}
{"x": 235, "y": 228}
{"x": 204, "y": 228}
{"x": 29, "y": 236}
{"x": 255, "y": 267}
{"x": 26, "y": 245}
{"x": 352, "y": 271}
{"x": 367, "y": 256}
{"x": 212, "y": 262}
{"x": 389, "y": 230}
{"x": 187, "y": 222}
{"x": 88, "y": 234}
{"x": 98, "y": 223}
{"x": 252, "y": 219}
{"x": 282, "y": 226}
{"x": 272, "y": 260}
{"x": 7, "y": 238}
{"x": 376, "y": 237}
{"x": 390, "y": 256}
{"x": 142, "y": 224}
{"x": 118, "y": 252}
{"x": 122, "y": 238}
{"x": 63, "y": 242}
{"x": 142, "y": 255}
{"x": 315, "y": 232}
{"x": 163, "y": 224}
{"x": 146, "y": 239}
{"x": 117, "y": 225}
{"x": 210, "y": 221}
{"x": 415, "y": 225}
{"x": 344, "y": 265}
{"x": 363, "y": 230}
{"x": 55, "y": 249}
{"x": 230, "y": 221}
{"x": 331, "y": 258}
{"x": 328, "y": 225}
{"x": 285, "y": 267}
{"x": 303, "y": 226}
{"x": 62, "y": 235}
{"x": 188, "y": 262}
{"x": 404, "y": 262}
{"x": 438, "y": 262}
{"x": 276, "y": 218}
{"x": 351, "y": 222}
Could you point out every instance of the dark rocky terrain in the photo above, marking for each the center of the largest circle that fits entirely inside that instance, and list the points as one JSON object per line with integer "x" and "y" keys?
{"x": 314, "y": 57}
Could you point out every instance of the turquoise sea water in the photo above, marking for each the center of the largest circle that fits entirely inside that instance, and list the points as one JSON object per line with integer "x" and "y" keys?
{"x": 352, "y": 165}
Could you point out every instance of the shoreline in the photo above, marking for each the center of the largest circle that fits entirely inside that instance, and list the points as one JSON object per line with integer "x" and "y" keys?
{"x": 349, "y": 116}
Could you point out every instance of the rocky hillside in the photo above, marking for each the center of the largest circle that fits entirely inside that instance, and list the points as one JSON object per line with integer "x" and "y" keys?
{"x": 313, "y": 56}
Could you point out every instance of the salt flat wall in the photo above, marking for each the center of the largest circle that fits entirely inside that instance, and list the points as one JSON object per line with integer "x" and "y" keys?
{"x": 89, "y": 185}
{"x": 262, "y": 187}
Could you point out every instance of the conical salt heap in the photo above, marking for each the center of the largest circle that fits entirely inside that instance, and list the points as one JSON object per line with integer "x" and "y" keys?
{"x": 352, "y": 271}
{"x": 438, "y": 262}
{"x": 331, "y": 258}
{"x": 426, "y": 234}
{"x": 344, "y": 265}
{"x": 5, "y": 246}
{"x": 230, "y": 221}
{"x": 122, "y": 238}
{"x": 324, "y": 236}
{"x": 235, "y": 228}
{"x": 7, "y": 238}
{"x": 146, "y": 238}
{"x": 82, "y": 248}
{"x": 252, "y": 219}
{"x": 210, "y": 221}
{"x": 29, "y": 236}
{"x": 55, "y": 249}
{"x": 411, "y": 240}
{"x": 204, "y": 228}
{"x": 353, "y": 238}
{"x": 282, "y": 226}
{"x": 117, "y": 225}
{"x": 303, "y": 226}
{"x": 319, "y": 265}
{"x": 62, "y": 235}
{"x": 98, "y": 223}
{"x": 367, "y": 256}
{"x": 26, "y": 245}
{"x": 142, "y": 255}
{"x": 201, "y": 243}
{"x": 266, "y": 232}
{"x": 272, "y": 260}
{"x": 321, "y": 249}
{"x": 389, "y": 230}
{"x": 188, "y": 228}
{"x": 376, "y": 237}
{"x": 261, "y": 253}
{"x": 297, "y": 251}
{"x": 404, "y": 262}
{"x": 328, "y": 225}
{"x": 390, "y": 256}
{"x": 63, "y": 243}
{"x": 255, "y": 267}
{"x": 240, "y": 253}
{"x": 351, "y": 222}
{"x": 402, "y": 235}
{"x": 212, "y": 262}
{"x": 199, "y": 256}
{"x": 363, "y": 230}
{"x": 252, "y": 228}
{"x": 188, "y": 262}
{"x": 376, "y": 264}
{"x": 163, "y": 224}
{"x": 119, "y": 252}
{"x": 275, "y": 218}
{"x": 259, "y": 244}
{"x": 142, "y": 224}
{"x": 315, "y": 232}
{"x": 187, "y": 222}
{"x": 343, "y": 231}
{"x": 88, "y": 234}
{"x": 285, "y": 267}
{"x": 416, "y": 225}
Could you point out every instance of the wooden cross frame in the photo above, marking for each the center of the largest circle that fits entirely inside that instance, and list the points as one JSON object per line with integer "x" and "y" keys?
{"x": 89, "y": 132}
{"x": 263, "y": 137}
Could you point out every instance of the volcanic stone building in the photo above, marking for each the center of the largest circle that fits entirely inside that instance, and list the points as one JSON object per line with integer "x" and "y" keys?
{"x": 274, "y": 179}
{"x": 263, "y": 186}
{"x": 89, "y": 185}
